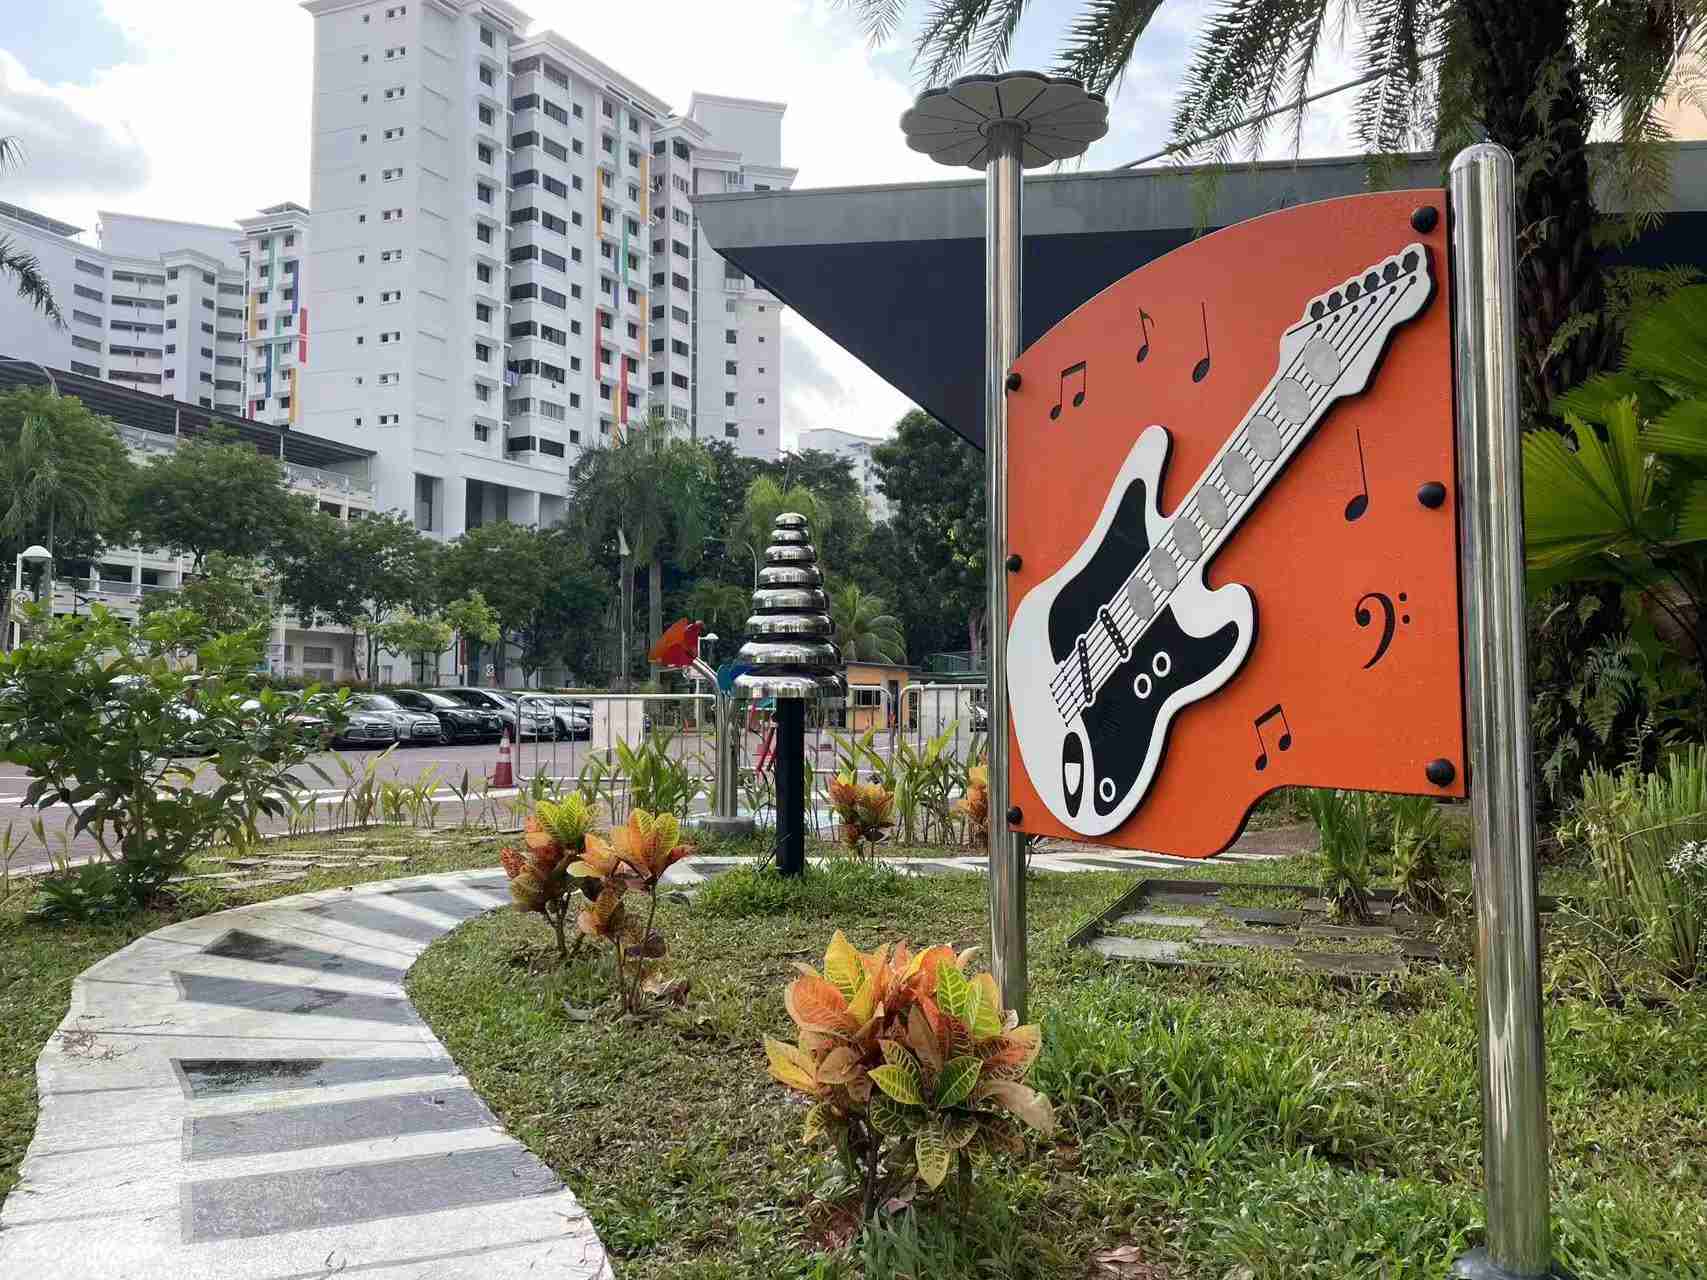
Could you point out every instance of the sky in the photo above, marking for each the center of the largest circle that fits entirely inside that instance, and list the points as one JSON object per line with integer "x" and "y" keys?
{"x": 200, "y": 110}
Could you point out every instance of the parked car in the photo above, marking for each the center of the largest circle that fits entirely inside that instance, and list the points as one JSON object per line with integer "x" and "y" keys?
{"x": 536, "y": 720}
{"x": 457, "y": 721}
{"x": 366, "y": 727}
{"x": 313, "y": 729}
{"x": 574, "y": 716}
{"x": 413, "y": 724}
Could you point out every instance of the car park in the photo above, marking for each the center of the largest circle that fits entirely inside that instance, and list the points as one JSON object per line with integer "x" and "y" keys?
{"x": 413, "y": 724}
{"x": 458, "y": 722}
{"x": 574, "y": 716}
{"x": 535, "y": 721}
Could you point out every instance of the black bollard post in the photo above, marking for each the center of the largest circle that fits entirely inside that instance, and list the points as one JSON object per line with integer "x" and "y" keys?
{"x": 791, "y": 786}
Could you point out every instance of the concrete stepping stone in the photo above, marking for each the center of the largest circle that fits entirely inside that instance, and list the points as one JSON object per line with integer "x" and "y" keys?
{"x": 1155, "y": 950}
{"x": 1161, "y": 920}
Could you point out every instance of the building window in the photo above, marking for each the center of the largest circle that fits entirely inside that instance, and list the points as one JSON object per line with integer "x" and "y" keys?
{"x": 391, "y": 215}
{"x": 483, "y": 352}
{"x": 393, "y": 93}
{"x": 388, "y": 296}
{"x": 728, "y": 335}
{"x": 728, "y": 399}
{"x": 391, "y": 175}
{"x": 729, "y": 368}
{"x": 731, "y": 431}
{"x": 486, "y": 115}
{"x": 391, "y": 55}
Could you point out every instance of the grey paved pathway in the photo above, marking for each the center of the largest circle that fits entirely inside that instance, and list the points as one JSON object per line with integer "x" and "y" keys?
{"x": 251, "y": 1096}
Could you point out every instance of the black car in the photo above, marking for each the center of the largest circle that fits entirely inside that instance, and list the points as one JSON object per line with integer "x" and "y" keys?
{"x": 457, "y": 722}
{"x": 537, "y": 720}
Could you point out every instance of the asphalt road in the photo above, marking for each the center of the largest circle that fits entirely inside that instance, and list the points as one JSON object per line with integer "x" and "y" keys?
{"x": 562, "y": 760}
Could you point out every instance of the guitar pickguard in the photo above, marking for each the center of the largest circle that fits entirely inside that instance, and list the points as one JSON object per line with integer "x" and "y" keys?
{"x": 1074, "y": 610}
{"x": 1121, "y": 724}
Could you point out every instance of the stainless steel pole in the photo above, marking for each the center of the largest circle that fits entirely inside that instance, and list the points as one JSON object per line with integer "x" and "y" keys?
{"x": 1003, "y": 242}
{"x": 1496, "y": 686}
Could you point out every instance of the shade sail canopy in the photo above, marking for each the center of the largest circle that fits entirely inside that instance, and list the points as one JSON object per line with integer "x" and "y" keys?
{"x": 895, "y": 274}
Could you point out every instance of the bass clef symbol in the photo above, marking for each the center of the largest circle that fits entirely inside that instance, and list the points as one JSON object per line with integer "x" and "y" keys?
{"x": 1363, "y": 616}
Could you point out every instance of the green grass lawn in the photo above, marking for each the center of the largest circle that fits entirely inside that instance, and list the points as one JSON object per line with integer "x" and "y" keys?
{"x": 1246, "y": 1118}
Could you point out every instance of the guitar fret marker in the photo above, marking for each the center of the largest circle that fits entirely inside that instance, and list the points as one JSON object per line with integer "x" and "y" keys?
{"x": 1213, "y": 506}
{"x": 1265, "y": 438}
{"x": 1140, "y": 599}
{"x": 1188, "y": 538}
{"x": 1237, "y": 472}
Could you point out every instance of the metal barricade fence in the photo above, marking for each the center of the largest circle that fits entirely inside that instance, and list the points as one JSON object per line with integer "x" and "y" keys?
{"x": 582, "y": 750}
{"x": 954, "y": 711}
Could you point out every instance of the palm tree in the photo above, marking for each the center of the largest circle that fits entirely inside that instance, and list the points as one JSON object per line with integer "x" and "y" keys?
{"x": 766, "y": 500}
{"x": 1534, "y": 77}
{"x": 653, "y": 486}
{"x": 865, "y": 629}
{"x": 42, "y": 488}
{"x": 721, "y": 607}
{"x": 22, "y": 267}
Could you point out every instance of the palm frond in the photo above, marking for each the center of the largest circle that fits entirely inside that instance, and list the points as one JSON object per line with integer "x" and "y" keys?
{"x": 26, "y": 274}
{"x": 878, "y": 18}
{"x": 1101, "y": 40}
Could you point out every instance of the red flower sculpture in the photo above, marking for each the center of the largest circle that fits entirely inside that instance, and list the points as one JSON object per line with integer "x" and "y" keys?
{"x": 679, "y": 645}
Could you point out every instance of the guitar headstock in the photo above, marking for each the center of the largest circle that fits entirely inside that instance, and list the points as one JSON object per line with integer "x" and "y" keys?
{"x": 1344, "y": 331}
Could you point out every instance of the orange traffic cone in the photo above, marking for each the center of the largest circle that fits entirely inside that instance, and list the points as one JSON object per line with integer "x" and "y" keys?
{"x": 503, "y": 776}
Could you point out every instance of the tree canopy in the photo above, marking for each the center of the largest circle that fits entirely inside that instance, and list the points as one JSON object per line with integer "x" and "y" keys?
{"x": 213, "y": 494}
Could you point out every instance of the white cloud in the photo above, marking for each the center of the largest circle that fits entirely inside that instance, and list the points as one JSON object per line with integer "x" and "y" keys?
{"x": 209, "y": 117}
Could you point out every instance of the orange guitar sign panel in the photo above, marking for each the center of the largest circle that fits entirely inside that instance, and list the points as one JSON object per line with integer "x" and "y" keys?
{"x": 1231, "y": 494}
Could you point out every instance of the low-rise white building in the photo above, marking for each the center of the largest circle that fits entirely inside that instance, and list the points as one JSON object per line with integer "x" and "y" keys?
{"x": 857, "y": 450}
{"x": 334, "y": 475}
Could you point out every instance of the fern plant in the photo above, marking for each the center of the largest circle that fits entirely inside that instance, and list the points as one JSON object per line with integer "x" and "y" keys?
{"x": 908, "y": 1058}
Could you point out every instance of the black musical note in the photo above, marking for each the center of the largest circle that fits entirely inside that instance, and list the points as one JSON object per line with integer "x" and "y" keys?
{"x": 1200, "y": 371}
{"x": 1145, "y": 320}
{"x": 1389, "y": 622}
{"x": 1072, "y": 370}
{"x": 1283, "y": 743}
{"x": 1360, "y": 503}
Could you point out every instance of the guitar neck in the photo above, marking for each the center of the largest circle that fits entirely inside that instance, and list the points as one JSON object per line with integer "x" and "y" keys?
{"x": 1267, "y": 438}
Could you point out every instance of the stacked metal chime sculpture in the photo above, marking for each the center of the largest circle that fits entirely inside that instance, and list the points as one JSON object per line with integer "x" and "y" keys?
{"x": 791, "y": 658}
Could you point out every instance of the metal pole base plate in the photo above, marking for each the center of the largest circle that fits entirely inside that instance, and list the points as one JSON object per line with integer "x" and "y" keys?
{"x": 1477, "y": 1265}
{"x": 713, "y": 825}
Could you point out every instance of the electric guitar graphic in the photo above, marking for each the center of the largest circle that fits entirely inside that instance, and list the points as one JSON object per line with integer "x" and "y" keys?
{"x": 1127, "y": 630}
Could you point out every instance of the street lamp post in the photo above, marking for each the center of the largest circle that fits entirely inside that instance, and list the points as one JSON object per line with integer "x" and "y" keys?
{"x": 33, "y": 554}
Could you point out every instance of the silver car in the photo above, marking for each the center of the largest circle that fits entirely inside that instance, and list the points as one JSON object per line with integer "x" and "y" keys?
{"x": 409, "y": 726}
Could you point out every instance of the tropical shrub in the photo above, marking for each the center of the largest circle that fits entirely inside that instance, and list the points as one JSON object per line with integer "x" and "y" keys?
{"x": 104, "y": 717}
{"x": 865, "y": 811}
{"x": 633, "y": 860}
{"x": 554, "y": 837}
{"x": 975, "y": 804}
{"x": 1646, "y": 833}
{"x": 1417, "y": 835}
{"x": 909, "y": 1059}
{"x": 1343, "y": 820}
{"x": 658, "y": 781}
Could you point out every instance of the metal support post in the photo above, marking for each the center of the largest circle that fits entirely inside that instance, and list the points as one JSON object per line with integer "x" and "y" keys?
{"x": 791, "y": 786}
{"x": 1003, "y": 241}
{"x": 1513, "y": 1058}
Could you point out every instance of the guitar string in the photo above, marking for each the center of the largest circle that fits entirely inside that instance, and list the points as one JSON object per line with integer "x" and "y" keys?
{"x": 1263, "y": 470}
{"x": 1099, "y": 649}
{"x": 1068, "y": 671}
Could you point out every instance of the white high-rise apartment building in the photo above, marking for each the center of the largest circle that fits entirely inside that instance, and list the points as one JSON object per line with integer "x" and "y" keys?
{"x": 273, "y": 248}
{"x": 731, "y": 354}
{"x": 153, "y": 304}
{"x": 500, "y": 272}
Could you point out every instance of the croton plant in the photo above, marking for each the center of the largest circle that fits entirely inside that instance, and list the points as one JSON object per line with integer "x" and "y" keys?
{"x": 907, "y": 1052}
{"x": 540, "y": 875}
{"x": 865, "y": 811}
